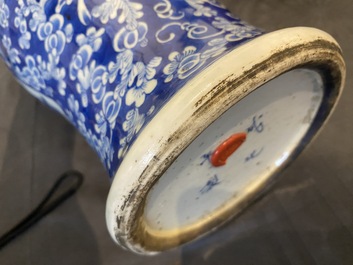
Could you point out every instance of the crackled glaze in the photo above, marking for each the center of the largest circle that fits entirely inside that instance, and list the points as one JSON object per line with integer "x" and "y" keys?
{"x": 109, "y": 66}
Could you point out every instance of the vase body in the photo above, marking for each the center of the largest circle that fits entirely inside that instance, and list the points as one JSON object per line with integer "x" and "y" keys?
{"x": 105, "y": 65}
{"x": 163, "y": 90}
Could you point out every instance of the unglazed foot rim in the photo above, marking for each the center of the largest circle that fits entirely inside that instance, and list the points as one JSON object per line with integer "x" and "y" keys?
{"x": 210, "y": 94}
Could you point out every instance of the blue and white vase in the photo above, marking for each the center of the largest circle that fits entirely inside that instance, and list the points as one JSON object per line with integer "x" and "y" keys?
{"x": 192, "y": 111}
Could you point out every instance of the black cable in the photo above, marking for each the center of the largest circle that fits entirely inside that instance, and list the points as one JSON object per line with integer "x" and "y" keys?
{"x": 42, "y": 209}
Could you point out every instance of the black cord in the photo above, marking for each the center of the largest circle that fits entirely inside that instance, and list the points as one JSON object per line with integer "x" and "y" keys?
{"x": 43, "y": 208}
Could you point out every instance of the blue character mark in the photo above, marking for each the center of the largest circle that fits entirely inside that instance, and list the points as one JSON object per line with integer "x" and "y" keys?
{"x": 205, "y": 158}
{"x": 257, "y": 125}
{"x": 254, "y": 154}
{"x": 213, "y": 181}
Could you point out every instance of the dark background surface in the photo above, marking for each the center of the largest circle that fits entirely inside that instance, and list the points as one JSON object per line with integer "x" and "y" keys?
{"x": 307, "y": 218}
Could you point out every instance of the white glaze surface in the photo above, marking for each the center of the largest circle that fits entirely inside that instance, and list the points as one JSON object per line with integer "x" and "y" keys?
{"x": 275, "y": 117}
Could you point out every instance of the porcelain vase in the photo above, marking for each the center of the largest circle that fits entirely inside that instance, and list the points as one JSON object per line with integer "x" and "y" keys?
{"x": 192, "y": 111}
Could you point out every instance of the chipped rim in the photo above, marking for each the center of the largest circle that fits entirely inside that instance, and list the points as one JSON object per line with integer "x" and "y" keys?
{"x": 219, "y": 86}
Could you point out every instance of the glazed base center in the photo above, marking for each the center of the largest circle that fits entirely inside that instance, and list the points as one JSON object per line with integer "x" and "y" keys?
{"x": 274, "y": 118}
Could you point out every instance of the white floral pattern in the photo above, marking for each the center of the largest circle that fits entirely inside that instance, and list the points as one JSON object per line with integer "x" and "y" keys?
{"x": 92, "y": 38}
{"x": 189, "y": 61}
{"x": 201, "y": 9}
{"x": 141, "y": 81}
{"x": 183, "y": 64}
{"x": 104, "y": 64}
{"x": 53, "y": 35}
{"x": 12, "y": 53}
{"x": 4, "y": 14}
{"x": 30, "y": 74}
{"x": 132, "y": 125}
{"x": 127, "y": 13}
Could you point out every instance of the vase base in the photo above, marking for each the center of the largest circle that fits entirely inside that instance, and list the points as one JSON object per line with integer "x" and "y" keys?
{"x": 275, "y": 92}
{"x": 271, "y": 121}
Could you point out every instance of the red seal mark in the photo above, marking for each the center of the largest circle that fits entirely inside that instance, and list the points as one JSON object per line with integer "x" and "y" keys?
{"x": 226, "y": 149}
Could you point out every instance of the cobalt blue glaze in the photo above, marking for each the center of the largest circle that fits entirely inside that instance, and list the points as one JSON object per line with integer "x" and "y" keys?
{"x": 109, "y": 66}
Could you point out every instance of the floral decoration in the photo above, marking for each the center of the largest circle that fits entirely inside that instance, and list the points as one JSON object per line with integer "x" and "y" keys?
{"x": 109, "y": 66}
